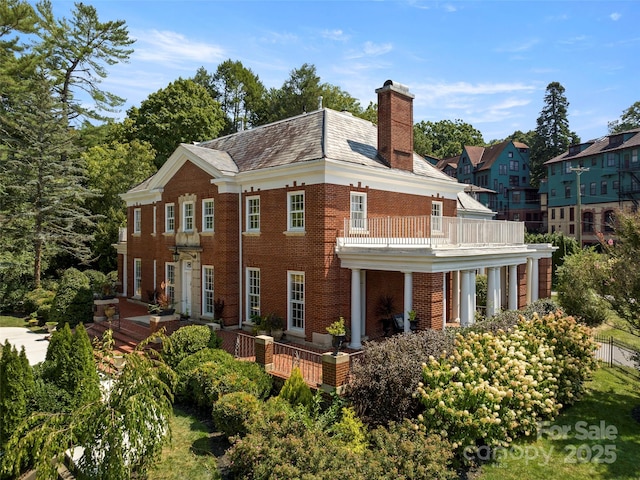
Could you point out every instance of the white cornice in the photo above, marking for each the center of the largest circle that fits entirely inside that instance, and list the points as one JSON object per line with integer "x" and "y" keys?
{"x": 142, "y": 197}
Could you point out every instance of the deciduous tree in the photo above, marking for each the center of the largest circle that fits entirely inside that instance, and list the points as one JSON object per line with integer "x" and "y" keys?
{"x": 445, "y": 138}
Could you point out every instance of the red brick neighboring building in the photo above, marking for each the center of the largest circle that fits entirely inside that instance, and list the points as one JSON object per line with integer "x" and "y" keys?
{"x": 316, "y": 217}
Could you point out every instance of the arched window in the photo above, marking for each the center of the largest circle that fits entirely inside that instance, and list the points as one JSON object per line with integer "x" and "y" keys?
{"x": 609, "y": 220}
{"x": 587, "y": 222}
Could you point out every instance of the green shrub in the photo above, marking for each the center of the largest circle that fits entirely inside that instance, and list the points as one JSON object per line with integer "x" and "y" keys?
{"x": 384, "y": 379}
{"x": 37, "y": 303}
{"x": 580, "y": 280}
{"x": 206, "y": 375}
{"x": 350, "y": 430}
{"x": 233, "y": 411}
{"x": 403, "y": 452}
{"x": 96, "y": 280}
{"x": 186, "y": 341}
{"x": 481, "y": 290}
{"x": 73, "y": 303}
{"x": 295, "y": 390}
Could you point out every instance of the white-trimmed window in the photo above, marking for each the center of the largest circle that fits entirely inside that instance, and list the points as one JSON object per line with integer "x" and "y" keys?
{"x": 567, "y": 167}
{"x": 169, "y": 217}
{"x": 358, "y": 211}
{"x": 634, "y": 156}
{"x": 170, "y": 281}
{"x": 137, "y": 277}
{"x": 253, "y": 292}
{"x": 187, "y": 216}
{"x": 207, "y": 215}
{"x": 253, "y": 214}
{"x": 295, "y": 211}
{"x": 137, "y": 220}
{"x": 295, "y": 289}
{"x": 436, "y": 216}
{"x": 207, "y": 291}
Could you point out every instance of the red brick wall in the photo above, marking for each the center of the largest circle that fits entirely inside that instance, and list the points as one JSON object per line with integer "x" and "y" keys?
{"x": 428, "y": 299}
{"x": 522, "y": 285}
{"x": 381, "y": 284}
{"x": 544, "y": 280}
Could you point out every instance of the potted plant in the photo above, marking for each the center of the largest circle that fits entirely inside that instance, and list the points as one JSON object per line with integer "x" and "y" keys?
{"x": 162, "y": 304}
{"x": 339, "y": 333}
{"x": 384, "y": 310}
{"x": 413, "y": 320}
{"x": 275, "y": 325}
{"x": 259, "y": 324}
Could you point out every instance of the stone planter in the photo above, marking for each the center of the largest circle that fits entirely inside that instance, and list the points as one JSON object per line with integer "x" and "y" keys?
{"x": 99, "y": 306}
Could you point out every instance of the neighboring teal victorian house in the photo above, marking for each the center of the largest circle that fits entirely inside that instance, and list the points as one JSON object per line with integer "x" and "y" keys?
{"x": 498, "y": 178}
{"x": 609, "y": 173}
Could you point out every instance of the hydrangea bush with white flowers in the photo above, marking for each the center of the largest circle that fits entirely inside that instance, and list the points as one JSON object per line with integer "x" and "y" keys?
{"x": 494, "y": 387}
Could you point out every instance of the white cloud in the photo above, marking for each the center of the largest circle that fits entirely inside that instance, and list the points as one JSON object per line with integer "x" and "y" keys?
{"x": 615, "y": 16}
{"x": 438, "y": 90}
{"x": 449, "y": 7}
{"x": 175, "y": 48}
{"x": 370, "y": 49}
{"x": 337, "y": 35}
{"x": 521, "y": 47}
{"x": 575, "y": 40}
{"x": 280, "y": 38}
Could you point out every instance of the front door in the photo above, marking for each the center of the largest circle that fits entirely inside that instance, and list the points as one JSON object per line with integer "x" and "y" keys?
{"x": 185, "y": 306}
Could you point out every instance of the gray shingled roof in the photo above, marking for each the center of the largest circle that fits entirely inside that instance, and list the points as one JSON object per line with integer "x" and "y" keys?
{"x": 600, "y": 146}
{"x": 321, "y": 134}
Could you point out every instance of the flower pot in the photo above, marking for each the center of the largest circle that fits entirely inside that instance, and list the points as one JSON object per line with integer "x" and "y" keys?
{"x": 337, "y": 342}
{"x": 166, "y": 311}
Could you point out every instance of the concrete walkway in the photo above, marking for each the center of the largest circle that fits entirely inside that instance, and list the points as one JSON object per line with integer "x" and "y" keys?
{"x": 35, "y": 344}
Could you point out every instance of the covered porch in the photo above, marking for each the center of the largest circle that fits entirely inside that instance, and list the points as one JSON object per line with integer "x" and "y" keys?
{"x": 430, "y": 264}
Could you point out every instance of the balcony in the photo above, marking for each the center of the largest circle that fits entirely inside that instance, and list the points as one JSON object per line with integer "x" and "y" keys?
{"x": 430, "y": 232}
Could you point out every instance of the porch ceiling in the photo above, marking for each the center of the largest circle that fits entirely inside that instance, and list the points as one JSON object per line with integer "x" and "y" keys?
{"x": 434, "y": 260}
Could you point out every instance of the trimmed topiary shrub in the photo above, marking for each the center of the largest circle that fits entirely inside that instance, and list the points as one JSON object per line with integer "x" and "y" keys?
{"x": 232, "y": 412}
{"x": 296, "y": 391}
{"x": 187, "y": 341}
{"x": 96, "y": 280}
{"x": 37, "y": 303}
{"x": 73, "y": 303}
{"x": 382, "y": 382}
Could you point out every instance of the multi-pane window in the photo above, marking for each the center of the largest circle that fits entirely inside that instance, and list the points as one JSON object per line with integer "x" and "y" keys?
{"x": 169, "y": 217}
{"x": 253, "y": 292}
{"x": 137, "y": 220}
{"x": 616, "y": 184}
{"x": 296, "y": 300}
{"x": 187, "y": 216}
{"x": 516, "y": 197}
{"x": 634, "y": 156}
{"x": 587, "y": 222}
{"x": 510, "y": 154}
{"x": 170, "y": 282}
{"x": 253, "y": 214}
{"x": 358, "y": 211}
{"x": 561, "y": 213}
{"x": 436, "y": 216}
{"x": 514, "y": 165}
{"x": 611, "y": 159}
{"x": 603, "y": 187}
{"x": 583, "y": 188}
{"x": 467, "y": 169}
{"x": 502, "y": 169}
{"x": 514, "y": 181}
{"x": 592, "y": 188}
{"x": 207, "y": 215}
{"x": 295, "y": 214}
{"x": 567, "y": 191}
{"x": 567, "y": 167}
{"x": 553, "y": 214}
{"x": 207, "y": 291}
{"x": 137, "y": 277}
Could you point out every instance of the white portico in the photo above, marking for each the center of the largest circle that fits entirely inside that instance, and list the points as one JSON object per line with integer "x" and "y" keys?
{"x": 440, "y": 263}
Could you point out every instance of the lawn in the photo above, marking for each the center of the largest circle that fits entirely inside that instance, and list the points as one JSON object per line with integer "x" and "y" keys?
{"x": 11, "y": 321}
{"x": 604, "y": 412}
{"x": 190, "y": 453}
{"x": 619, "y": 329}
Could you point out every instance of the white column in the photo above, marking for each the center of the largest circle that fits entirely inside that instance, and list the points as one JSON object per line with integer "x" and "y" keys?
{"x": 408, "y": 299}
{"x": 535, "y": 280}
{"x": 467, "y": 298}
{"x": 513, "y": 287}
{"x": 356, "y": 313}
{"x": 491, "y": 292}
{"x": 363, "y": 303}
{"x": 529, "y": 280}
{"x": 455, "y": 296}
{"x": 125, "y": 275}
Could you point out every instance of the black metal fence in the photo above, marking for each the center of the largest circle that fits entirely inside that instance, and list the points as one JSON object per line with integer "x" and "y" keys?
{"x": 614, "y": 353}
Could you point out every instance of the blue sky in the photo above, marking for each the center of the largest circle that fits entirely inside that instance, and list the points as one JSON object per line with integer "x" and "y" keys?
{"x": 487, "y": 63}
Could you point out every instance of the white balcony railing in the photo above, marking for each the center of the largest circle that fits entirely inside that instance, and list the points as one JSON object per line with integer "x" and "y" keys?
{"x": 430, "y": 232}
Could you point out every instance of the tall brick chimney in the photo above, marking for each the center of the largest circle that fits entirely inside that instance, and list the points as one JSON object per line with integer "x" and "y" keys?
{"x": 395, "y": 125}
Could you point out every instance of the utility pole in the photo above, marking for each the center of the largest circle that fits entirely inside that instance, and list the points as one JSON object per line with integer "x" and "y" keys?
{"x": 579, "y": 171}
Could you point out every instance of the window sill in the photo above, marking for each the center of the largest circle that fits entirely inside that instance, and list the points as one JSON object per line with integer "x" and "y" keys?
{"x": 295, "y": 333}
{"x": 252, "y": 233}
{"x": 208, "y": 233}
{"x": 136, "y": 234}
{"x": 294, "y": 233}
{"x": 169, "y": 234}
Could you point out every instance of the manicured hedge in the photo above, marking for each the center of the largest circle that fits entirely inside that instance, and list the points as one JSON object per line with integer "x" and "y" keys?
{"x": 73, "y": 303}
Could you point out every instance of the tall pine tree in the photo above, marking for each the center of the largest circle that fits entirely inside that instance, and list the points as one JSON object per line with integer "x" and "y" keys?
{"x": 45, "y": 190}
{"x": 552, "y": 135}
